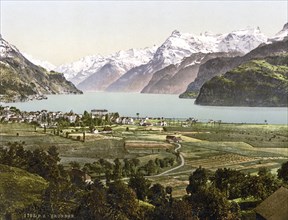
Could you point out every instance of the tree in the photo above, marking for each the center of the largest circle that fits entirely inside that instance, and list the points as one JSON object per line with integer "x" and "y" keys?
{"x": 150, "y": 167}
{"x": 197, "y": 180}
{"x": 53, "y": 153}
{"x": 37, "y": 163}
{"x": 84, "y": 136}
{"x": 210, "y": 203}
{"x": 127, "y": 168}
{"x": 74, "y": 165}
{"x": 260, "y": 186}
{"x": 140, "y": 185}
{"x": 157, "y": 194}
{"x": 93, "y": 205}
{"x": 283, "y": 172}
{"x": 91, "y": 127}
{"x": 229, "y": 182}
{"x": 269, "y": 181}
{"x": 169, "y": 190}
{"x": 117, "y": 170}
{"x": 96, "y": 168}
{"x": 14, "y": 155}
{"x": 122, "y": 201}
{"x": 178, "y": 210}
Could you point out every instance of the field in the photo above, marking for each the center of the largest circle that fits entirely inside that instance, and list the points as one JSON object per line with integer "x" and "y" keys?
{"x": 237, "y": 146}
{"x": 70, "y": 149}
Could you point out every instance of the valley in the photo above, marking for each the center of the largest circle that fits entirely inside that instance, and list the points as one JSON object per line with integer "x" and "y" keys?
{"x": 152, "y": 161}
{"x": 143, "y": 110}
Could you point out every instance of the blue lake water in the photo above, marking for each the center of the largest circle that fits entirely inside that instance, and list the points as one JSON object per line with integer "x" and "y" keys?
{"x": 154, "y": 105}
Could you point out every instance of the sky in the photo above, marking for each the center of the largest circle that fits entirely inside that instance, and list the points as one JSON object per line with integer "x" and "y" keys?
{"x": 64, "y": 31}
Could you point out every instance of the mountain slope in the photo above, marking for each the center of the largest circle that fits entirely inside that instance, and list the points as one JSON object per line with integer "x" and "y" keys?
{"x": 45, "y": 64}
{"x": 174, "y": 79}
{"x": 114, "y": 67}
{"x": 102, "y": 78}
{"x": 259, "y": 82}
{"x": 19, "y": 188}
{"x": 21, "y": 79}
{"x": 77, "y": 71}
{"x": 219, "y": 66}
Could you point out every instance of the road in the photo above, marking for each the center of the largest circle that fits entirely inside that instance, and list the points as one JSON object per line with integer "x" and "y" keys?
{"x": 167, "y": 171}
{"x": 175, "y": 168}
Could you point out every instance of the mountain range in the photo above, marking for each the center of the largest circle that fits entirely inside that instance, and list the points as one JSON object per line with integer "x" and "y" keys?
{"x": 22, "y": 80}
{"x": 97, "y": 73}
{"x": 180, "y": 65}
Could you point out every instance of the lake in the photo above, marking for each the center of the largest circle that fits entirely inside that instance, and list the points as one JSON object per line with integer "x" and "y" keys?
{"x": 155, "y": 105}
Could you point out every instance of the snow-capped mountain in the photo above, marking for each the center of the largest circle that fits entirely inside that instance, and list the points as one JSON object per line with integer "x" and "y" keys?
{"x": 280, "y": 35}
{"x": 7, "y": 50}
{"x": 81, "y": 69}
{"x": 121, "y": 62}
{"x": 48, "y": 66}
{"x": 180, "y": 45}
{"x": 132, "y": 70}
{"x": 114, "y": 67}
{"x": 242, "y": 40}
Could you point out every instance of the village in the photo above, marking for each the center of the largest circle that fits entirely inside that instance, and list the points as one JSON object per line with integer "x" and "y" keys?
{"x": 50, "y": 119}
{"x": 90, "y": 123}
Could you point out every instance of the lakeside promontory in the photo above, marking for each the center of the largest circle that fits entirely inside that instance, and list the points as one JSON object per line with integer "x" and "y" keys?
{"x": 259, "y": 82}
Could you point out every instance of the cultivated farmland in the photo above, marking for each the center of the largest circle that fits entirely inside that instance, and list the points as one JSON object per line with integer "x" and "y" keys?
{"x": 236, "y": 146}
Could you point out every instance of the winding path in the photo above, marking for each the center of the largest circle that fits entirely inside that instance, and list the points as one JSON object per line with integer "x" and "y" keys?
{"x": 165, "y": 172}
{"x": 175, "y": 168}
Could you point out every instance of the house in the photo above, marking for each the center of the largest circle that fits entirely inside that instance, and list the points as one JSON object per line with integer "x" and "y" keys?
{"x": 98, "y": 112}
{"x": 71, "y": 118}
{"x": 127, "y": 121}
{"x": 161, "y": 123}
{"x": 172, "y": 138}
{"x": 118, "y": 120}
{"x": 107, "y": 130}
{"x": 275, "y": 207}
{"x": 15, "y": 118}
{"x": 145, "y": 123}
{"x": 79, "y": 176}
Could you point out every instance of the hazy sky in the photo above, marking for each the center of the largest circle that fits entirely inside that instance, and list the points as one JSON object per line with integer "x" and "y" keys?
{"x": 64, "y": 31}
